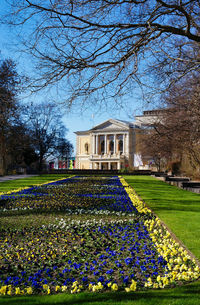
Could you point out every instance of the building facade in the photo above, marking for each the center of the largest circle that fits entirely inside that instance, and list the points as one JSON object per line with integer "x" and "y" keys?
{"x": 149, "y": 117}
{"x": 108, "y": 146}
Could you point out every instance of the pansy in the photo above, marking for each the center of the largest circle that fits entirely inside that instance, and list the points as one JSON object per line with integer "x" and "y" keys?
{"x": 106, "y": 239}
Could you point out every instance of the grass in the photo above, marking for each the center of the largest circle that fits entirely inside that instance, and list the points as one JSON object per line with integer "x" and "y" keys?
{"x": 179, "y": 209}
{"x": 6, "y": 186}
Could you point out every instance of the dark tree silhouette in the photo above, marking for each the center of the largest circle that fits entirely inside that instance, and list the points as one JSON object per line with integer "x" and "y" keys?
{"x": 9, "y": 108}
{"x": 47, "y": 131}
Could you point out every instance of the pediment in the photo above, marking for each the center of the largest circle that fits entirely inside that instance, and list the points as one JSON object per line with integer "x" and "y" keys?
{"x": 111, "y": 125}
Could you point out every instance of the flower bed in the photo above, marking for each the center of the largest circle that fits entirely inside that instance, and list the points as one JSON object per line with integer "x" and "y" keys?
{"x": 120, "y": 246}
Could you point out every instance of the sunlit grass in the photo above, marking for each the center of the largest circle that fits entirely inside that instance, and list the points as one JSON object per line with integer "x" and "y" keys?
{"x": 179, "y": 209}
{"x": 6, "y": 186}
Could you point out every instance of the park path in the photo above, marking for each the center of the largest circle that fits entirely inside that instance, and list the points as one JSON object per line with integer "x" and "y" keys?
{"x": 14, "y": 177}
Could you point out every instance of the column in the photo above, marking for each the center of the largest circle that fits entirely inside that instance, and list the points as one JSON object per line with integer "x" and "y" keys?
{"x": 114, "y": 143}
{"x": 123, "y": 143}
{"x": 96, "y": 144}
{"x": 93, "y": 143}
{"x": 127, "y": 149}
{"x": 109, "y": 165}
{"x": 105, "y": 144}
{"x": 118, "y": 165}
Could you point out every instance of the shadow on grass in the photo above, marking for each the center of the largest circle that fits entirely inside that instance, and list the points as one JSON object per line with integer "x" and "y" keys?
{"x": 185, "y": 295}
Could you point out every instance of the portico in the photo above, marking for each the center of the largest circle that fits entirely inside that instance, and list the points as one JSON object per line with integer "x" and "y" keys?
{"x": 111, "y": 146}
{"x": 109, "y": 143}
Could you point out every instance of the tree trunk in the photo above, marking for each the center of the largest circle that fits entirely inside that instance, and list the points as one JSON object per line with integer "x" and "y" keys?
{"x": 2, "y": 154}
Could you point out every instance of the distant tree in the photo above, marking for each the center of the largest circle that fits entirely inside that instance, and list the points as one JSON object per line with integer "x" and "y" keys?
{"x": 182, "y": 121}
{"x": 155, "y": 147}
{"x": 46, "y": 130}
{"x": 9, "y": 107}
{"x": 105, "y": 47}
{"x": 30, "y": 156}
{"x": 177, "y": 131}
{"x": 64, "y": 148}
{"x": 20, "y": 148}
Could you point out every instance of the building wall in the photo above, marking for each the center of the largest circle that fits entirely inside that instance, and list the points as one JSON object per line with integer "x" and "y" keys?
{"x": 84, "y": 164}
{"x": 131, "y": 147}
{"x": 84, "y": 140}
{"x": 82, "y": 156}
{"x": 92, "y": 159}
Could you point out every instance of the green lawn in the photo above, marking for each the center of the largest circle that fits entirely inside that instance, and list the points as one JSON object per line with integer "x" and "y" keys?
{"x": 6, "y": 186}
{"x": 179, "y": 209}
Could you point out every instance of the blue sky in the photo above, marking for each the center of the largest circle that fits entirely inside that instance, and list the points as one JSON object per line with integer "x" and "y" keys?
{"x": 76, "y": 119}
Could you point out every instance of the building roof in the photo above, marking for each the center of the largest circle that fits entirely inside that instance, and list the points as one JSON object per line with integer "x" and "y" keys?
{"x": 150, "y": 117}
{"x": 121, "y": 124}
{"x": 82, "y": 132}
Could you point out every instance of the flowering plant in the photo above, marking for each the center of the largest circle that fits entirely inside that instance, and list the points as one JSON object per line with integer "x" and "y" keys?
{"x": 121, "y": 246}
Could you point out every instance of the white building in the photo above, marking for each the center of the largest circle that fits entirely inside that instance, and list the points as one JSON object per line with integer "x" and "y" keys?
{"x": 109, "y": 145}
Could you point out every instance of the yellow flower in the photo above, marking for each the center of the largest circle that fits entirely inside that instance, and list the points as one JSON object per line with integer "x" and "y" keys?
{"x": 183, "y": 267}
{"x": 90, "y": 286}
{"x": 114, "y": 287}
{"x": 17, "y": 290}
{"x": 133, "y": 286}
{"x": 29, "y": 290}
{"x": 127, "y": 289}
{"x": 100, "y": 285}
{"x": 158, "y": 278}
{"x": 109, "y": 284}
{"x": 74, "y": 290}
{"x": 64, "y": 288}
{"x": 3, "y": 290}
{"x": 74, "y": 284}
{"x": 165, "y": 281}
{"x": 45, "y": 286}
{"x": 57, "y": 288}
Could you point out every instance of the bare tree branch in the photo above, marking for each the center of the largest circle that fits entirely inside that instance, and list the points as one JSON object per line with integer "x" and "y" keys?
{"x": 108, "y": 45}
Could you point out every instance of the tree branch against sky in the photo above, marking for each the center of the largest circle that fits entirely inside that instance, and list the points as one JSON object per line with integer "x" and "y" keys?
{"x": 47, "y": 131}
{"x": 175, "y": 135}
{"x": 103, "y": 49}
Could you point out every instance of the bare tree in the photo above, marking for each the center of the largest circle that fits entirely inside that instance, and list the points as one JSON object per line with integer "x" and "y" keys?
{"x": 175, "y": 137}
{"x": 47, "y": 131}
{"x": 9, "y": 107}
{"x": 155, "y": 148}
{"x": 102, "y": 48}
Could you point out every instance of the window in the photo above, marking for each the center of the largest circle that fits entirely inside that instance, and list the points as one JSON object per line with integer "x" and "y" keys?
{"x": 86, "y": 148}
{"x": 111, "y": 146}
{"x": 102, "y": 144}
{"x": 120, "y": 146}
